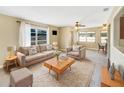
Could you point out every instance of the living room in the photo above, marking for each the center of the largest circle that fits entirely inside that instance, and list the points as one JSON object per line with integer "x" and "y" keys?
{"x": 43, "y": 47}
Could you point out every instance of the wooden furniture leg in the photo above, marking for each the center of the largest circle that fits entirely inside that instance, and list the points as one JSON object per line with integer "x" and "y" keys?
{"x": 49, "y": 71}
{"x": 7, "y": 66}
{"x": 57, "y": 76}
{"x": 70, "y": 68}
{"x": 16, "y": 63}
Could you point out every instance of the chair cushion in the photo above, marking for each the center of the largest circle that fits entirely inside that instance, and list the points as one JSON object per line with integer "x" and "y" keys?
{"x": 73, "y": 53}
{"x": 35, "y": 57}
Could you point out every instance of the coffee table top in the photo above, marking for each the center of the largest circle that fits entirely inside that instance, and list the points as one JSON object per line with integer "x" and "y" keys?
{"x": 59, "y": 65}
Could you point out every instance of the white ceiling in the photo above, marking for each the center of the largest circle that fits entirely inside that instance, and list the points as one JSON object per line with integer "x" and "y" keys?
{"x": 60, "y": 15}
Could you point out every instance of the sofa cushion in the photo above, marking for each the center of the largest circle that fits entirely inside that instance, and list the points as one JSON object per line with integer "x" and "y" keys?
{"x": 38, "y": 48}
{"x": 42, "y": 48}
{"x": 47, "y": 53}
{"x": 73, "y": 53}
{"x": 32, "y": 51}
{"x": 35, "y": 57}
{"x": 24, "y": 50}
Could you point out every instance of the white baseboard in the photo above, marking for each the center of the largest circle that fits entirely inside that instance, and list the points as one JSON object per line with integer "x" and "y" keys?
{"x": 1, "y": 66}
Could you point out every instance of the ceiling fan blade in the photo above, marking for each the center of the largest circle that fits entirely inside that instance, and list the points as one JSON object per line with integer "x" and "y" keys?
{"x": 77, "y": 24}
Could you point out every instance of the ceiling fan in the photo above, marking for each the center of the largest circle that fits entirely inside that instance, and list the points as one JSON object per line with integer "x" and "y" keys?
{"x": 78, "y": 25}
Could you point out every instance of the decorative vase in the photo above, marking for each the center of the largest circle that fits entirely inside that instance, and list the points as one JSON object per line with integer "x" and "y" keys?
{"x": 112, "y": 71}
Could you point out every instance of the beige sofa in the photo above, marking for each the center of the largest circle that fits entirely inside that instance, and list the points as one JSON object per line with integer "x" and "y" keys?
{"x": 79, "y": 54}
{"x": 43, "y": 52}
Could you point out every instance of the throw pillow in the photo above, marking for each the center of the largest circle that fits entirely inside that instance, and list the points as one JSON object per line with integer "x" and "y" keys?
{"x": 38, "y": 48}
{"x": 76, "y": 48}
{"x": 32, "y": 51}
{"x": 24, "y": 50}
{"x": 43, "y": 48}
{"x": 49, "y": 47}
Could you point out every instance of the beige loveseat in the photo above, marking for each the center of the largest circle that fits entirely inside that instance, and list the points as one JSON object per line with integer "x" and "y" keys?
{"x": 78, "y": 53}
{"x": 43, "y": 52}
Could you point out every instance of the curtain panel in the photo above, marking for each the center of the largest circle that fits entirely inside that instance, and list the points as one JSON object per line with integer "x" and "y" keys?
{"x": 25, "y": 35}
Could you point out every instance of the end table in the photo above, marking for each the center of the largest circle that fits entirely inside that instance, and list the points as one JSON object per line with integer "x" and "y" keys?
{"x": 10, "y": 60}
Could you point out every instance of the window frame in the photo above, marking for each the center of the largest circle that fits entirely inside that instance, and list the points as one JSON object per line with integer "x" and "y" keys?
{"x": 86, "y": 41}
{"x": 36, "y": 36}
{"x": 79, "y": 36}
{"x": 104, "y": 37}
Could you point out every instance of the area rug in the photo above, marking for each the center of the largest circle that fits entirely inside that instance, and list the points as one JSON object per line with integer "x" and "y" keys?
{"x": 79, "y": 76}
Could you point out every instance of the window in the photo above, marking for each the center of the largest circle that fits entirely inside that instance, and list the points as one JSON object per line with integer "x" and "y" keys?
{"x": 38, "y": 36}
{"x": 90, "y": 36}
{"x": 87, "y": 36}
{"x": 82, "y": 36}
{"x": 104, "y": 37}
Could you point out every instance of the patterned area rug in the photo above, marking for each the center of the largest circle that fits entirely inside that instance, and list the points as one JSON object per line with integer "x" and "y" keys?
{"x": 79, "y": 76}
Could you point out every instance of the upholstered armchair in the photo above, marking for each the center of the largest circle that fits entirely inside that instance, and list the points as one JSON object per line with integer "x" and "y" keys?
{"x": 77, "y": 54}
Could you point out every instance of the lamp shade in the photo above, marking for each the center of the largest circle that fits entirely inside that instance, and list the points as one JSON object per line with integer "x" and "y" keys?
{"x": 55, "y": 44}
{"x": 10, "y": 50}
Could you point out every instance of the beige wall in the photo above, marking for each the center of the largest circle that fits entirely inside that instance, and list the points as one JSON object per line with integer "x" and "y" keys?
{"x": 9, "y": 33}
{"x": 53, "y": 38}
{"x": 116, "y": 55}
{"x": 65, "y": 37}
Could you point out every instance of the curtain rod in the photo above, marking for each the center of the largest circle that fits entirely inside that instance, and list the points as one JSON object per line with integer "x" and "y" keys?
{"x": 18, "y": 21}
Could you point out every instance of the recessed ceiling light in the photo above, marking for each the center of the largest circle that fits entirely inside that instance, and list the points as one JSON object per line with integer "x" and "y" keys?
{"x": 105, "y": 9}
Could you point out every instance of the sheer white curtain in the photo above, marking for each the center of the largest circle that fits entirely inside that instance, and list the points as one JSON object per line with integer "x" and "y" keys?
{"x": 24, "y": 34}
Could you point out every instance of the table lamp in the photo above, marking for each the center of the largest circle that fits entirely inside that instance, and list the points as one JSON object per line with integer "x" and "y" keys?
{"x": 10, "y": 50}
{"x": 55, "y": 45}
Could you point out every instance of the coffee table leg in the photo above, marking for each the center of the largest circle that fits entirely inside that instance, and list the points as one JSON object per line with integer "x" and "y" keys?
{"x": 70, "y": 68}
{"x": 57, "y": 77}
{"x": 7, "y": 66}
{"x": 16, "y": 63}
{"x": 49, "y": 71}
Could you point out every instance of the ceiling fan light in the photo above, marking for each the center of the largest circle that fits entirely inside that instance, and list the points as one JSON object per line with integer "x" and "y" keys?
{"x": 104, "y": 27}
{"x": 77, "y": 28}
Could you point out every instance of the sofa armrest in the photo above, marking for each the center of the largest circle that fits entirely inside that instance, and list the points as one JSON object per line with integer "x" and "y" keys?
{"x": 82, "y": 52}
{"x": 68, "y": 49}
{"x": 21, "y": 59}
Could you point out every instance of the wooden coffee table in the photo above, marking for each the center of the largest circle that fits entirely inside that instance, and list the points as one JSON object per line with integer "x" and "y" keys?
{"x": 58, "y": 66}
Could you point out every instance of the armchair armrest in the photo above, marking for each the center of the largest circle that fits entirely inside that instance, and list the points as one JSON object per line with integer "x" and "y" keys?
{"x": 82, "y": 52}
{"x": 68, "y": 49}
{"x": 21, "y": 58}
